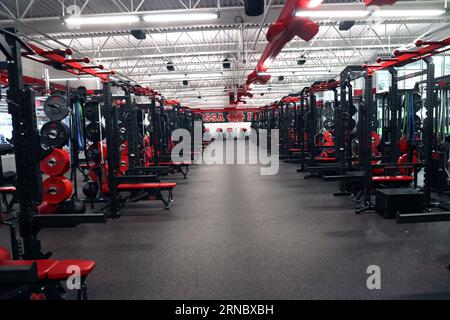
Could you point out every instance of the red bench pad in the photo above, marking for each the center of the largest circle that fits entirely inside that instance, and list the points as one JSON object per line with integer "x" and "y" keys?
{"x": 7, "y": 189}
{"x": 59, "y": 270}
{"x": 393, "y": 179}
{"x": 324, "y": 159}
{"x": 296, "y": 150}
{"x": 138, "y": 186}
{"x": 43, "y": 266}
{"x": 169, "y": 163}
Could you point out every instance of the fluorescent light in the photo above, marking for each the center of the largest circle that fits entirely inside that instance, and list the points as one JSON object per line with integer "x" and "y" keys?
{"x": 332, "y": 14}
{"x": 73, "y": 79}
{"x": 408, "y": 13}
{"x": 314, "y": 3}
{"x": 93, "y": 20}
{"x": 297, "y": 73}
{"x": 184, "y": 76}
{"x": 182, "y": 16}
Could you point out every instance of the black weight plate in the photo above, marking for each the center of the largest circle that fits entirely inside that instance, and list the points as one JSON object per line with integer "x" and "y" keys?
{"x": 55, "y": 134}
{"x": 328, "y": 112}
{"x": 92, "y": 154}
{"x": 374, "y": 123}
{"x": 418, "y": 102}
{"x": 90, "y": 110}
{"x": 352, "y": 110}
{"x": 55, "y": 108}
{"x": 93, "y": 131}
{"x": 328, "y": 124}
{"x": 82, "y": 91}
{"x": 350, "y": 124}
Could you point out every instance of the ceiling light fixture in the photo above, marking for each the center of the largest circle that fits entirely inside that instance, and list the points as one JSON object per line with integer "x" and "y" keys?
{"x": 407, "y": 13}
{"x": 182, "y": 16}
{"x": 332, "y": 14}
{"x": 96, "y": 20}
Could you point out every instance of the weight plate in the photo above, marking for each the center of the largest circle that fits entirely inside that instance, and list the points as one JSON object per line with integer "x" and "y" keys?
{"x": 56, "y": 190}
{"x": 328, "y": 124}
{"x": 124, "y": 164}
{"x": 92, "y": 154}
{"x": 55, "y": 134}
{"x": 328, "y": 112}
{"x": 355, "y": 146}
{"x": 93, "y": 131}
{"x": 90, "y": 110}
{"x": 418, "y": 102}
{"x": 90, "y": 189}
{"x": 56, "y": 163}
{"x": 349, "y": 124}
{"x": 55, "y": 107}
{"x": 352, "y": 110}
{"x": 82, "y": 91}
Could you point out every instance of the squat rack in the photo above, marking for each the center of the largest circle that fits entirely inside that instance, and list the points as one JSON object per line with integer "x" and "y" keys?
{"x": 28, "y": 151}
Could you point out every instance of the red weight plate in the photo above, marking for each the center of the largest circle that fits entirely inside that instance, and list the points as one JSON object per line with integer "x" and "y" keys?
{"x": 56, "y": 190}
{"x": 56, "y": 163}
{"x": 124, "y": 164}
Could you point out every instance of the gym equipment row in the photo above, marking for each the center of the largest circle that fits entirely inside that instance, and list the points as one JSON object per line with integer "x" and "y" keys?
{"x": 374, "y": 145}
{"x": 125, "y": 144}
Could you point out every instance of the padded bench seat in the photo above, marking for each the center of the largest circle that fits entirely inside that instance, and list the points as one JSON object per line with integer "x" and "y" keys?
{"x": 392, "y": 179}
{"x": 139, "y": 186}
{"x": 152, "y": 189}
{"x": 8, "y": 189}
{"x": 170, "y": 163}
{"x": 59, "y": 270}
{"x": 43, "y": 266}
{"x": 53, "y": 269}
{"x": 324, "y": 159}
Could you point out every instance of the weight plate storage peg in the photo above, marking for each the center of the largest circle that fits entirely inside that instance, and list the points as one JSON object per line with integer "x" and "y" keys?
{"x": 56, "y": 190}
{"x": 91, "y": 110}
{"x": 56, "y": 163}
{"x": 55, "y": 134}
{"x": 55, "y": 108}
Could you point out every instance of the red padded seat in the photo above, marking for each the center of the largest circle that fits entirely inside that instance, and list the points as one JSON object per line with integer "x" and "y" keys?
{"x": 295, "y": 150}
{"x": 324, "y": 159}
{"x": 9, "y": 189}
{"x": 169, "y": 163}
{"x": 43, "y": 266}
{"x": 59, "y": 270}
{"x": 138, "y": 186}
{"x": 393, "y": 179}
{"x": 4, "y": 254}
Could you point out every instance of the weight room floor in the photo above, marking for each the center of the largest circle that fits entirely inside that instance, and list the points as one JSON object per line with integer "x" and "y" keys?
{"x": 233, "y": 234}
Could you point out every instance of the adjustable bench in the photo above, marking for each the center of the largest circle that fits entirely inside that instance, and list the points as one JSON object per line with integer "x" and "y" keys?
{"x": 49, "y": 273}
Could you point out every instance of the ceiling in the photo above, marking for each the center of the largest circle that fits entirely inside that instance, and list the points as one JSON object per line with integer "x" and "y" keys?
{"x": 197, "y": 50}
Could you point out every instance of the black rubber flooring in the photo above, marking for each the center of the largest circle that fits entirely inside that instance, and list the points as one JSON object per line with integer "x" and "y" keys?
{"x": 234, "y": 234}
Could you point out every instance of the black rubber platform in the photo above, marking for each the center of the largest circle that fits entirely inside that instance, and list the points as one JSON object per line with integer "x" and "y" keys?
{"x": 234, "y": 234}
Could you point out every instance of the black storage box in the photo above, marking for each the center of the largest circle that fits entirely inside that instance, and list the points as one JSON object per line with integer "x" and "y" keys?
{"x": 404, "y": 200}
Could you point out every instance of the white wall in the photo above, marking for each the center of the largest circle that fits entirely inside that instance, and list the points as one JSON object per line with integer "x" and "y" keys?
{"x": 236, "y": 126}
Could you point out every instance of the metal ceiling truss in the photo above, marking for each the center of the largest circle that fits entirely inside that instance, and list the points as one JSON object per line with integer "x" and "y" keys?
{"x": 200, "y": 49}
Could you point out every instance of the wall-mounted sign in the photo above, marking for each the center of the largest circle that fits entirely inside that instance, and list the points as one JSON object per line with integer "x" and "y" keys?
{"x": 227, "y": 116}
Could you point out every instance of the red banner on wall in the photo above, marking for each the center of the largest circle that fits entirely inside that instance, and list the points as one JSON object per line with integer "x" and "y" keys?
{"x": 227, "y": 116}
